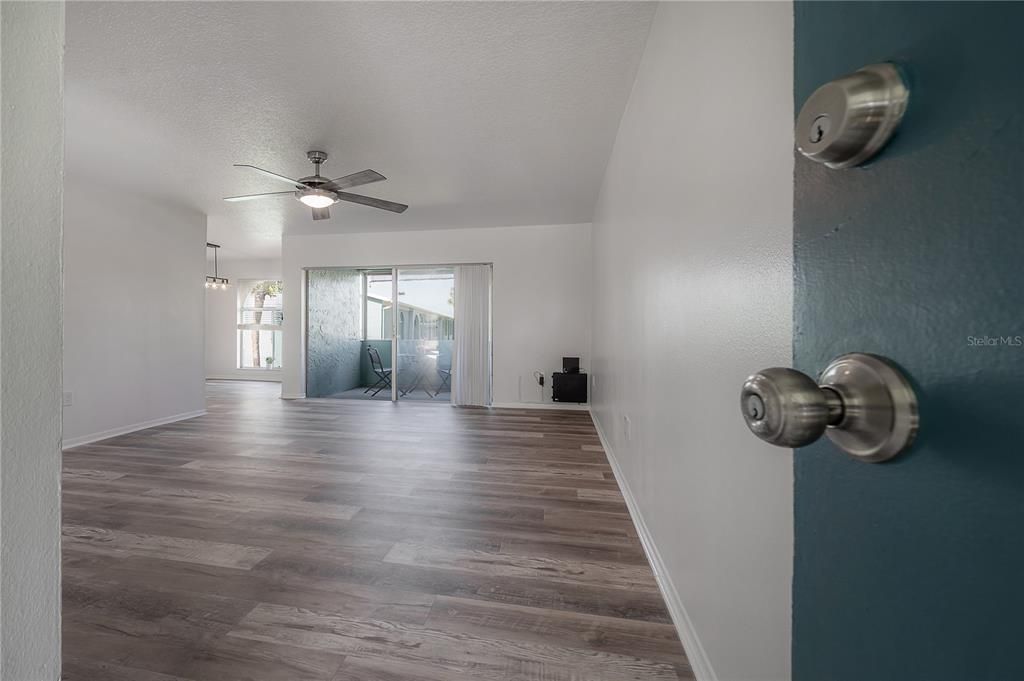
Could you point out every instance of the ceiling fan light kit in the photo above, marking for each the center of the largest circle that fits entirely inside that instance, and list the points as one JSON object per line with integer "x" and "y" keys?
{"x": 316, "y": 198}
{"x": 319, "y": 193}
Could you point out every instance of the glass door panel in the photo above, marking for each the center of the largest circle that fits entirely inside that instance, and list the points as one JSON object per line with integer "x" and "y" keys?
{"x": 425, "y": 332}
{"x": 378, "y": 372}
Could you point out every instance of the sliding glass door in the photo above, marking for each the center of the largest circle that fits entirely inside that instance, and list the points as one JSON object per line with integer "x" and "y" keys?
{"x": 389, "y": 333}
{"x": 378, "y": 375}
{"x": 425, "y": 332}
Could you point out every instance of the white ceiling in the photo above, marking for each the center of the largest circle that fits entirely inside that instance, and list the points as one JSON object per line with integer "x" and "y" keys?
{"x": 479, "y": 113}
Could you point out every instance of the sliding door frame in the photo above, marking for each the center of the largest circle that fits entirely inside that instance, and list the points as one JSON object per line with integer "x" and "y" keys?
{"x": 394, "y": 312}
{"x": 395, "y": 315}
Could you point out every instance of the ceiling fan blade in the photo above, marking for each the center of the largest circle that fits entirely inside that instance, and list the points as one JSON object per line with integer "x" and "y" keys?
{"x": 294, "y": 183}
{"x": 321, "y": 213}
{"x": 356, "y": 179}
{"x": 372, "y": 202}
{"x": 257, "y": 196}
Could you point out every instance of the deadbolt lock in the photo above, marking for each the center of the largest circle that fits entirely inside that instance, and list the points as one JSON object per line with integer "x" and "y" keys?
{"x": 848, "y": 120}
{"x": 862, "y": 402}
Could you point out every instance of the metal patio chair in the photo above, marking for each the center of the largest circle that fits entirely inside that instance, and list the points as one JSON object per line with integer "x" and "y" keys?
{"x": 383, "y": 374}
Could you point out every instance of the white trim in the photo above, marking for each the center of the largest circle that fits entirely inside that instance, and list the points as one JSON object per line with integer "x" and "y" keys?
{"x": 296, "y": 396}
{"x": 122, "y": 430}
{"x": 698, "y": 658}
{"x": 568, "y": 406}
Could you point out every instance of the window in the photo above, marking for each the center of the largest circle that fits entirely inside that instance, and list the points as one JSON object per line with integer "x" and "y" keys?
{"x": 259, "y": 324}
{"x": 377, "y": 314}
{"x": 426, "y": 304}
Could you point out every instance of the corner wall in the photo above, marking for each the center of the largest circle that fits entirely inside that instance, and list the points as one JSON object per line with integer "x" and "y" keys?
{"x": 31, "y": 137}
{"x": 133, "y": 325}
{"x": 692, "y": 288}
{"x": 540, "y": 293}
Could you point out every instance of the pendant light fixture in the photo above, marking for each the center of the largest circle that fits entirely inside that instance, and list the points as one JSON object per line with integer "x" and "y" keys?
{"x": 216, "y": 281}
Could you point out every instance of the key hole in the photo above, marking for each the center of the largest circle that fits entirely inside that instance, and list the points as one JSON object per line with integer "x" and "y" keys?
{"x": 755, "y": 407}
{"x": 820, "y": 128}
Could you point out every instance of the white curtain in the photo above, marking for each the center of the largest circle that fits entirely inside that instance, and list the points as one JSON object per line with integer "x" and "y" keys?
{"x": 471, "y": 358}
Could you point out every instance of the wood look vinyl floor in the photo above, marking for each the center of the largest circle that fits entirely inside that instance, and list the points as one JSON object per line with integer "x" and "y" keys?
{"x": 333, "y": 540}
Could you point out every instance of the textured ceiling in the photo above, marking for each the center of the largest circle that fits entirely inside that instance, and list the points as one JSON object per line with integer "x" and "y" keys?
{"x": 479, "y": 113}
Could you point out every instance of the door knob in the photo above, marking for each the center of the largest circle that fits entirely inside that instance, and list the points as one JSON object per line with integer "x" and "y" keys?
{"x": 862, "y": 402}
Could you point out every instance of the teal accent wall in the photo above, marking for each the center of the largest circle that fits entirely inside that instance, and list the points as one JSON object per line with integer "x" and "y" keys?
{"x": 914, "y": 569}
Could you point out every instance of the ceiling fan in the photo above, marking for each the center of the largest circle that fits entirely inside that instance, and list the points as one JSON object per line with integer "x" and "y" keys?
{"x": 319, "y": 193}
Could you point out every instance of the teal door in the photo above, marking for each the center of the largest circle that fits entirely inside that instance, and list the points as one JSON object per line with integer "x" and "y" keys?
{"x": 914, "y": 569}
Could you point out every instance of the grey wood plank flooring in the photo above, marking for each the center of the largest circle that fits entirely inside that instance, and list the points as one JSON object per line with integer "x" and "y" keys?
{"x": 337, "y": 540}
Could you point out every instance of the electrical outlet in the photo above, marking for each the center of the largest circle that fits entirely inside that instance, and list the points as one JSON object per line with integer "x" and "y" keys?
{"x": 531, "y": 389}
{"x": 68, "y": 399}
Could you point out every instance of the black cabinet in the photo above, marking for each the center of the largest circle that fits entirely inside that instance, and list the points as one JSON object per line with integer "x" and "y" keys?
{"x": 569, "y": 387}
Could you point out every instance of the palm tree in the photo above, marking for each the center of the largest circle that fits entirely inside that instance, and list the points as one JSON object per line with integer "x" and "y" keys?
{"x": 260, "y": 292}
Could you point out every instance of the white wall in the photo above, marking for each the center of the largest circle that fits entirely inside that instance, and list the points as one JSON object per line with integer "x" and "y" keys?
{"x": 692, "y": 292}
{"x": 31, "y": 52}
{"x": 540, "y": 292}
{"x": 133, "y": 299}
{"x": 222, "y": 320}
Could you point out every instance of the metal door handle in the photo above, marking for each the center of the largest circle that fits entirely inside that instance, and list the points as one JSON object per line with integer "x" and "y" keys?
{"x": 862, "y": 402}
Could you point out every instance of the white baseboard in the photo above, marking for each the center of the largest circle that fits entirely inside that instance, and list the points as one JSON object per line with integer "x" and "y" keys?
{"x": 568, "y": 406}
{"x": 295, "y": 396}
{"x": 123, "y": 430}
{"x": 698, "y": 658}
